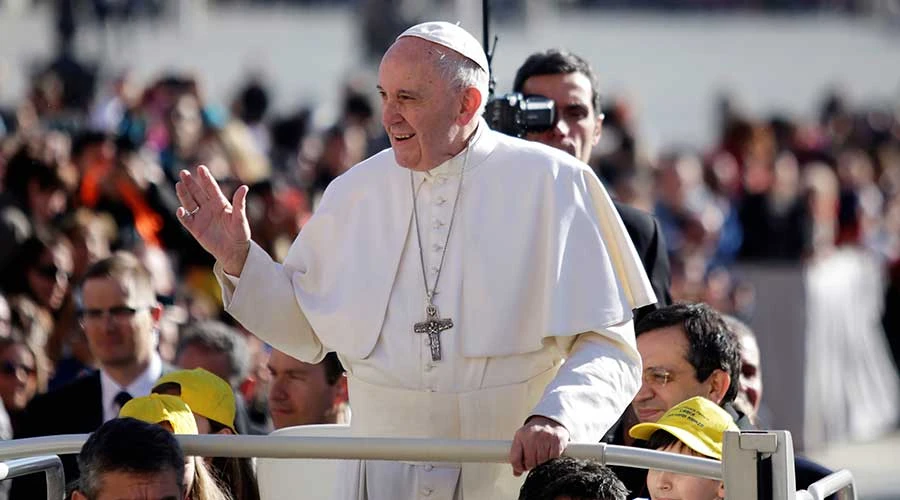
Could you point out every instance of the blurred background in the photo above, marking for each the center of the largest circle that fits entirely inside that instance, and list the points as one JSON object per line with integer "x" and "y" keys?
{"x": 763, "y": 134}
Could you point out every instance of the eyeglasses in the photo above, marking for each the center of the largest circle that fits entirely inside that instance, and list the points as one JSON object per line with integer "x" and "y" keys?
{"x": 51, "y": 272}
{"x": 11, "y": 369}
{"x": 117, "y": 313}
{"x": 656, "y": 376}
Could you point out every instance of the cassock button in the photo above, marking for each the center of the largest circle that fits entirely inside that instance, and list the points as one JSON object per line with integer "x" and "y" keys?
{"x": 440, "y": 201}
{"x": 438, "y": 223}
{"x": 435, "y": 269}
{"x": 426, "y": 492}
{"x": 429, "y": 367}
{"x": 441, "y": 180}
{"x": 428, "y": 467}
{"x": 437, "y": 247}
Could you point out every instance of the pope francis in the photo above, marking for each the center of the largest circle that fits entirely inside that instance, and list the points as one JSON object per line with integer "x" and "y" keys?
{"x": 474, "y": 286}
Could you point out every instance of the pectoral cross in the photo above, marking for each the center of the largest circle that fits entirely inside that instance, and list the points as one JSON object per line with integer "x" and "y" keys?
{"x": 433, "y": 326}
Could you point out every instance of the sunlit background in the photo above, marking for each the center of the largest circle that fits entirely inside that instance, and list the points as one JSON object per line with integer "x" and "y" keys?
{"x": 764, "y": 135}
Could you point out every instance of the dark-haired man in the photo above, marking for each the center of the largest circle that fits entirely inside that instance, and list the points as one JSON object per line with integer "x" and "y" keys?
{"x": 127, "y": 458}
{"x": 569, "y": 81}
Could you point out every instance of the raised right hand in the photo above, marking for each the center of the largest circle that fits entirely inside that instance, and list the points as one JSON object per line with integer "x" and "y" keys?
{"x": 220, "y": 227}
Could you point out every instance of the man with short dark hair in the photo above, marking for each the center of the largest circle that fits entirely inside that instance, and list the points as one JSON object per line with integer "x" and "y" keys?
{"x": 569, "y": 81}
{"x": 127, "y": 458}
{"x": 687, "y": 350}
{"x": 306, "y": 393}
{"x": 568, "y": 478}
{"x": 119, "y": 314}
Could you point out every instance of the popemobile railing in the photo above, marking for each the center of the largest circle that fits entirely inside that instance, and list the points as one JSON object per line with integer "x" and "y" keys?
{"x": 745, "y": 456}
{"x": 50, "y": 465}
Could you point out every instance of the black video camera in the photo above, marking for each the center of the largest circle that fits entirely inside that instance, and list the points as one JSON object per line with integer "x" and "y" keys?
{"x": 515, "y": 115}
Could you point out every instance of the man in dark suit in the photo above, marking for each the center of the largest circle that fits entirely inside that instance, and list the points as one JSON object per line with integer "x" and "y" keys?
{"x": 119, "y": 315}
{"x": 689, "y": 350}
{"x": 570, "y": 82}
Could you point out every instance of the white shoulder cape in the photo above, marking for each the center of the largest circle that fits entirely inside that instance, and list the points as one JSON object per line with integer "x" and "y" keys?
{"x": 546, "y": 253}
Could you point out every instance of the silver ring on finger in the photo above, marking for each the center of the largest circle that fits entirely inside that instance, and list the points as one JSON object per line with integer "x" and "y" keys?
{"x": 194, "y": 211}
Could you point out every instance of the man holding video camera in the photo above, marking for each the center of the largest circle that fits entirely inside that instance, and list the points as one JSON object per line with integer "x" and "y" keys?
{"x": 556, "y": 101}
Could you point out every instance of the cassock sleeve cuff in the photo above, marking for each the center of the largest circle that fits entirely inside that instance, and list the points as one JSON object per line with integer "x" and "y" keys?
{"x": 264, "y": 302}
{"x": 230, "y": 285}
{"x": 592, "y": 388}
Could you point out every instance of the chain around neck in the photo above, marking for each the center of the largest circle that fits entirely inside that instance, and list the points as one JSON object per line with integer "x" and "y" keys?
{"x": 430, "y": 292}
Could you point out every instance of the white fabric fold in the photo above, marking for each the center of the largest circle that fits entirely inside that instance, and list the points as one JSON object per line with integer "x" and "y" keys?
{"x": 538, "y": 268}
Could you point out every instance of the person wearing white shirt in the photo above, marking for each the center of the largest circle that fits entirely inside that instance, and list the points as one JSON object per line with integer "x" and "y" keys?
{"x": 452, "y": 274}
{"x": 140, "y": 386}
{"x": 119, "y": 314}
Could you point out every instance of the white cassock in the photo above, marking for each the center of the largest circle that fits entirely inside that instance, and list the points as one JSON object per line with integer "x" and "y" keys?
{"x": 538, "y": 269}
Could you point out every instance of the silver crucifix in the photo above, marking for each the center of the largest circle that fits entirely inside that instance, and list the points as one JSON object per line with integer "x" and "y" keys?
{"x": 433, "y": 326}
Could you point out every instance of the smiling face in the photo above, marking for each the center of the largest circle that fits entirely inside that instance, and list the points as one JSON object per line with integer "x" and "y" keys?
{"x": 426, "y": 118}
{"x": 665, "y": 350}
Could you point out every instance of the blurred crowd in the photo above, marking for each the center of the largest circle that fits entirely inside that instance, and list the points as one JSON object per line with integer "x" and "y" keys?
{"x": 88, "y": 166}
{"x": 80, "y": 183}
{"x": 88, "y": 169}
{"x": 776, "y": 189}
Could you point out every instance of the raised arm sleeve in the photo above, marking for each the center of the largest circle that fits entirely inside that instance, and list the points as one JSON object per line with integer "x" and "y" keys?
{"x": 263, "y": 300}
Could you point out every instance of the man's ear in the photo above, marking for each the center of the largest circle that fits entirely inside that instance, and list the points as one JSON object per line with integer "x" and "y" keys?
{"x": 470, "y": 103}
{"x": 225, "y": 431}
{"x": 717, "y": 385}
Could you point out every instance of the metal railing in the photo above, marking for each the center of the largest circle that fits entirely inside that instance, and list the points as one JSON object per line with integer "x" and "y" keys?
{"x": 51, "y": 465}
{"x": 840, "y": 482}
{"x": 740, "y": 450}
{"x": 397, "y": 449}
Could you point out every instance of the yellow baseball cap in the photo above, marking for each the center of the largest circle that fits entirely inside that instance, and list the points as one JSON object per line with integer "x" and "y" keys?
{"x": 159, "y": 408}
{"x": 697, "y": 422}
{"x": 207, "y": 394}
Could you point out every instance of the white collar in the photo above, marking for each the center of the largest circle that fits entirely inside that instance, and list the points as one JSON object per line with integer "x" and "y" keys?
{"x": 479, "y": 148}
{"x": 140, "y": 386}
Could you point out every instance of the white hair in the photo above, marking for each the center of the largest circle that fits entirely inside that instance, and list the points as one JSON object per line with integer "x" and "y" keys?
{"x": 461, "y": 73}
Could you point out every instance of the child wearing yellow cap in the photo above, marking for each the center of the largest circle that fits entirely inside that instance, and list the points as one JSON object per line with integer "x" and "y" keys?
{"x": 693, "y": 427}
{"x": 210, "y": 398}
{"x": 213, "y": 402}
{"x": 168, "y": 411}
{"x": 175, "y": 415}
